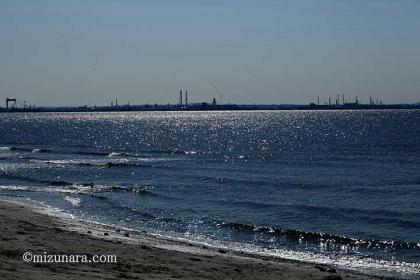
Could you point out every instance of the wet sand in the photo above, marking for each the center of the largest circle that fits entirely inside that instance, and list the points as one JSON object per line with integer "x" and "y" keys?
{"x": 25, "y": 230}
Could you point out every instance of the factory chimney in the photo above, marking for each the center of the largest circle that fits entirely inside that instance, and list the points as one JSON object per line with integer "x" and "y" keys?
{"x": 186, "y": 98}
{"x": 180, "y": 98}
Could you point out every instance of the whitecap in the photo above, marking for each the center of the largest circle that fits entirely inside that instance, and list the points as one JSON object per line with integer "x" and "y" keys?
{"x": 74, "y": 201}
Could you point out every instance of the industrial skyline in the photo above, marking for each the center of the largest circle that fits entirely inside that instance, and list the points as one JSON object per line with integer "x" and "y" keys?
{"x": 339, "y": 103}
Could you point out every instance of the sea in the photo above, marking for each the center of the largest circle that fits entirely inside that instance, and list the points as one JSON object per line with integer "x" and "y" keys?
{"x": 332, "y": 187}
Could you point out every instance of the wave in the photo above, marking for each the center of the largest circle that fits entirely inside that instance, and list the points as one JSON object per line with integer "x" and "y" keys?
{"x": 134, "y": 155}
{"x": 44, "y": 150}
{"x": 122, "y": 154}
{"x": 104, "y": 154}
{"x": 25, "y": 149}
{"x": 134, "y": 189}
{"x": 21, "y": 149}
{"x": 34, "y": 189}
{"x": 378, "y": 216}
{"x": 107, "y": 164}
{"x": 58, "y": 183}
{"x": 88, "y": 153}
{"x": 82, "y": 188}
{"x": 74, "y": 201}
{"x": 173, "y": 152}
{"x": 37, "y": 150}
{"x": 33, "y": 150}
{"x": 42, "y": 181}
{"x": 300, "y": 236}
{"x": 125, "y": 164}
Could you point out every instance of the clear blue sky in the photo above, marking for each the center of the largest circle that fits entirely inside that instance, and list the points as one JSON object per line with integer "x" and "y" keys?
{"x": 57, "y": 52}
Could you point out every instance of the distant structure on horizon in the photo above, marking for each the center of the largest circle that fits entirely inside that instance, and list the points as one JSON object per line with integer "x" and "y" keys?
{"x": 180, "y": 103}
{"x": 14, "y": 105}
{"x": 343, "y": 104}
{"x": 186, "y": 98}
{"x": 9, "y": 100}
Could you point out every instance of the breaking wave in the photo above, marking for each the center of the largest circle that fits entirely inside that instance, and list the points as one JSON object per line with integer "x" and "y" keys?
{"x": 84, "y": 188}
{"x": 93, "y": 163}
{"x": 299, "y": 236}
{"x": 24, "y": 149}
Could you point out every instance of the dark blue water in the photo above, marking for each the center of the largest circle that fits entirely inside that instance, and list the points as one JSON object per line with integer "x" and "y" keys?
{"x": 340, "y": 186}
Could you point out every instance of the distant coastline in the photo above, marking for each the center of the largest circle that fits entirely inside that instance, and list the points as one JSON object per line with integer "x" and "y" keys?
{"x": 208, "y": 107}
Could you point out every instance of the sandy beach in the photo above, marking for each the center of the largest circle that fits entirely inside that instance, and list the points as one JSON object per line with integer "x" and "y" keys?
{"x": 24, "y": 230}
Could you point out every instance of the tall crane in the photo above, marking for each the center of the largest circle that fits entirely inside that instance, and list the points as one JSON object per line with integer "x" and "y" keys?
{"x": 10, "y": 100}
{"x": 220, "y": 95}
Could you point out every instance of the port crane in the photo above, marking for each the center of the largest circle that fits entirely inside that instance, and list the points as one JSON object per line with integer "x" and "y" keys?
{"x": 13, "y": 102}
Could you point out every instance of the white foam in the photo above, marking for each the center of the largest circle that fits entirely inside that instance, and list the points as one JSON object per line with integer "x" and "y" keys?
{"x": 73, "y": 189}
{"x": 14, "y": 188}
{"x": 74, "y": 201}
{"x": 115, "y": 154}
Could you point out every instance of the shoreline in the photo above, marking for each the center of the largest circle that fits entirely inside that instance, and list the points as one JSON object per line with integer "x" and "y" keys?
{"x": 29, "y": 229}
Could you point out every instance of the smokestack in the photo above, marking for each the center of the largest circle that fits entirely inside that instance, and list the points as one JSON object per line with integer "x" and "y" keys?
{"x": 343, "y": 100}
{"x": 186, "y": 98}
{"x": 338, "y": 100}
{"x": 180, "y": 98}
{"x": 318, "y": 100}
{"x": 329, "y": 101}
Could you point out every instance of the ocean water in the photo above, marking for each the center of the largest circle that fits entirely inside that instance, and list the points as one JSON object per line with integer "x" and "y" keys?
{"x": 340, "y": 187}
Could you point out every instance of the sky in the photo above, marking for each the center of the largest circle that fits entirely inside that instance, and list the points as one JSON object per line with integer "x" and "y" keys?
{"x": 76, "y": 52}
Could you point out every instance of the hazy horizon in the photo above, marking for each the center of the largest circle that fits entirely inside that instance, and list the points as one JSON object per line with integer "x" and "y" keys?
{"x": 266, "y": 52}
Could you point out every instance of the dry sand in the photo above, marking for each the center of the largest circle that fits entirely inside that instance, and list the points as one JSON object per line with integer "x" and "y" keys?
{"x": 24, "y": 230}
